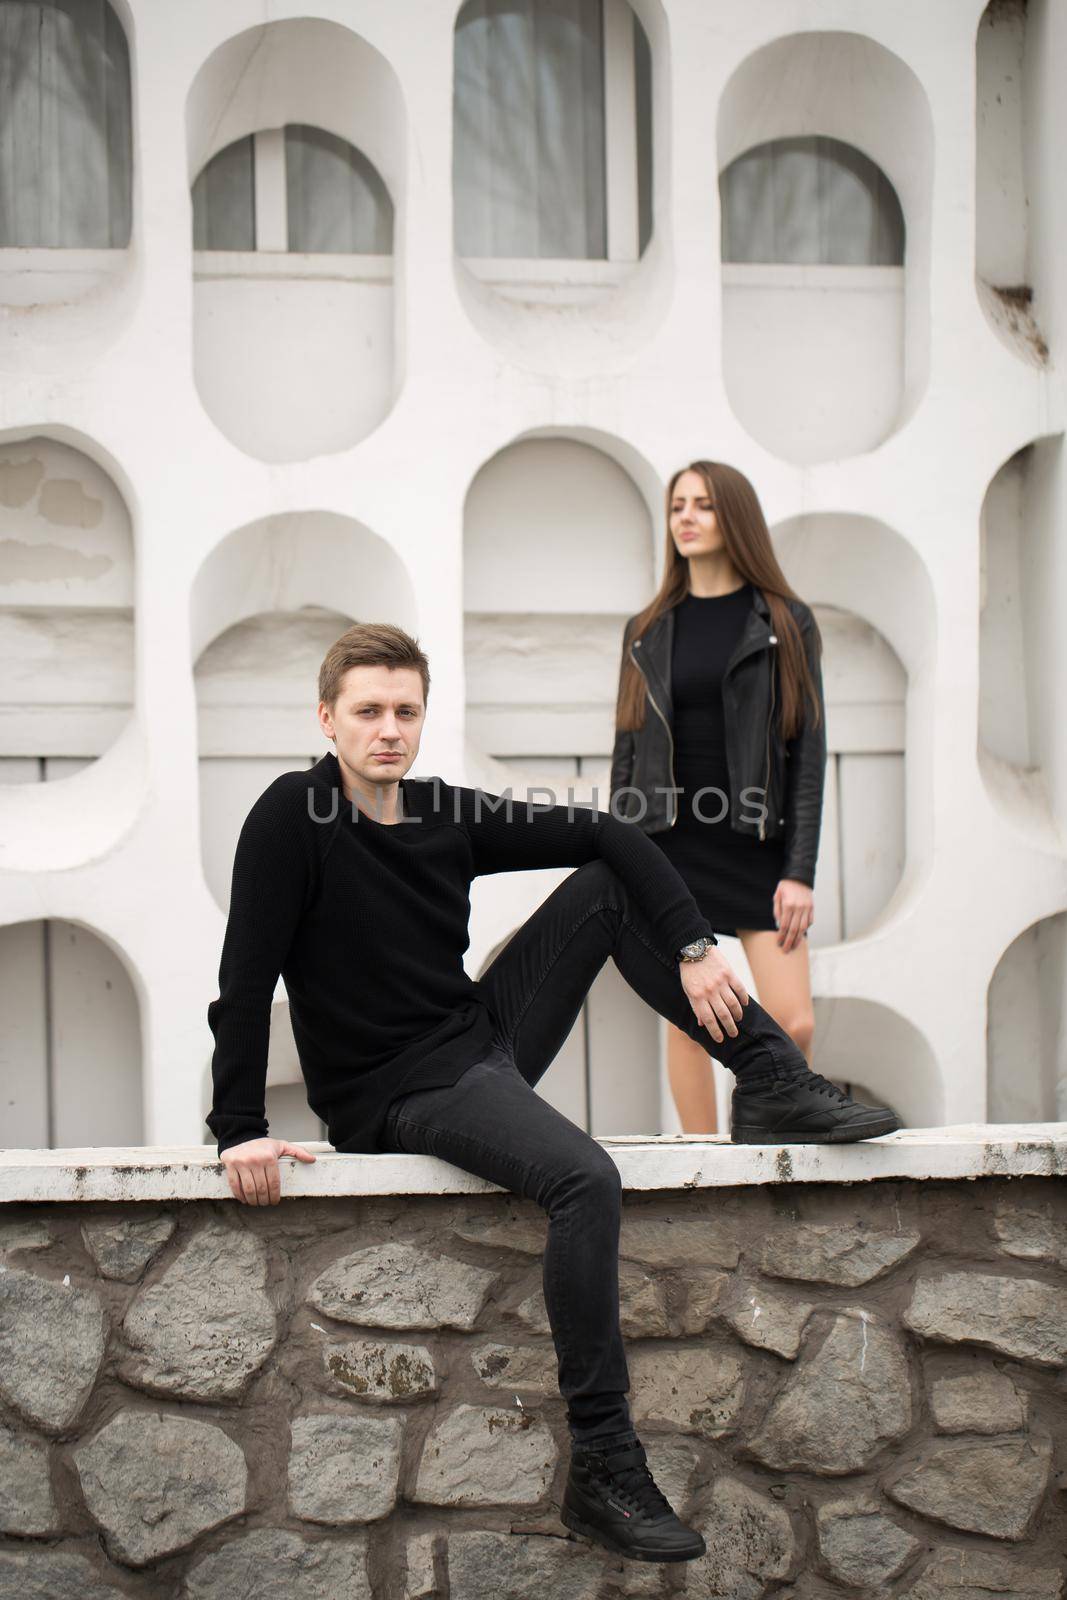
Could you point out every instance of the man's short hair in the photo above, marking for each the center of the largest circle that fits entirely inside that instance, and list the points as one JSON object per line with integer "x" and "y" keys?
{"x": 370, "y": 644}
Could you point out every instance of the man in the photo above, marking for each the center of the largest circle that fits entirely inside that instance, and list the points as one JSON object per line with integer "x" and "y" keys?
{"x": 352, "y": 881}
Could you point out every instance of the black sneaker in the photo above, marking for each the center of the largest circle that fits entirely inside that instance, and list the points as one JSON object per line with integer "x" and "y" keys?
{"x": 808, "y": 1109}
{"x": 612, "y": 1497}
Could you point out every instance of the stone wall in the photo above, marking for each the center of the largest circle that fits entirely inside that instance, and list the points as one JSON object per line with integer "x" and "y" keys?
{"x": 851, "y": 1389}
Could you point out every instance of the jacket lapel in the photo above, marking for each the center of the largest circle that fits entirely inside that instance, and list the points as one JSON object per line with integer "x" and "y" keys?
{"x": 654, "y": 656}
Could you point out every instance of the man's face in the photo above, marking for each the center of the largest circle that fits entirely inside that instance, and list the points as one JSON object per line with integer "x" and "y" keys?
{"x": 377, "y": 721}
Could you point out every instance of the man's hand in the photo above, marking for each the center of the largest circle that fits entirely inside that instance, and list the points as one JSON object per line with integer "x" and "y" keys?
{"x": 794, "y": 912}
{"x": 715, "y": 992}
{"x": 252, "y": 1169}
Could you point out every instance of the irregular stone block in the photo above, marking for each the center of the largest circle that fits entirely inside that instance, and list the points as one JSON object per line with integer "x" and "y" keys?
{"x": 27, "y": 1504}
{"x": 507, "y": 1566}
{"x": 977, "y": 1402}
{"x": 985, "y": 1488}
{"x": 860, "y": 1544}
{"x": 344, "y": 1469}
{"x": 750, "y": 1542}
{"x": 809, "y": 1588}
{"x": 858, "y": 1377}
{"x": 206, "y": 1325}
{"x": 642, "y": 1314}
{"x": 677, "y": 1242}
{"x": 154, "y": 1483}
{"x": 1018, "y": 1316}
{"x": 1030, "y": 1232}
{"x": 273, "y": 1564}
{"x": 400, "y": 1286}
{"x": 26, "y": 1234}
{"x": 515, "y": 1231}
{"x": 505, "y": 1366}
{"x": 123, "y": 1246}
{"x": 696, "y": 1391}
{"x": 703, "y": 1292}
{"x": 672, "y": 1462}
{"x": 533, "y": 1313}
{"x": 52, "y": 1339}
{"x": 377, "y": 1371}
{"x": 974, "y": 1575}
{"x": 52, "y": 1575}
{"x": 767, "y": 1319}
{"x": 420, "y": 1582}
{"x": 481, "y": 1456}
{"x": 824, "y": 1253}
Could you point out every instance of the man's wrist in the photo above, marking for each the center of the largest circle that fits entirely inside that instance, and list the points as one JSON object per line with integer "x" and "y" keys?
{"x": 696, "y": 950}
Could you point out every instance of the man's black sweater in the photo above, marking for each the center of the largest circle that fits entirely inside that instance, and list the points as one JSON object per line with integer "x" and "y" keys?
{"x": 367, "y": 922}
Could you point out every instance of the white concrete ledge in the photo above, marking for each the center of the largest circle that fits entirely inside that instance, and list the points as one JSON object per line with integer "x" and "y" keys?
{"x": 192, "y": 1172}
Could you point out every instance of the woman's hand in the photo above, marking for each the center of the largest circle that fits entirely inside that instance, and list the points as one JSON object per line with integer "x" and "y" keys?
{"x": 715, "y": 992}
{"x": 794, "y": 912}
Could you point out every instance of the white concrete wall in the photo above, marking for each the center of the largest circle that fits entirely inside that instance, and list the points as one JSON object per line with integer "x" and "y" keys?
{"x": 887, "y": 532}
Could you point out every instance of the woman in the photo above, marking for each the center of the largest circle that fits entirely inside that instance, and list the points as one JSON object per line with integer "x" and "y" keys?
{"x": 720, "y": 748}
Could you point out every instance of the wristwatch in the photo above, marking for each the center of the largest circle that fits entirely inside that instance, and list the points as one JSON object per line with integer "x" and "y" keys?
{"x": 695, "y": 951}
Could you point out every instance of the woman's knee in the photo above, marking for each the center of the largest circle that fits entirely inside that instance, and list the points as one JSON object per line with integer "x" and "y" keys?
{"x": 800, "y": 1026}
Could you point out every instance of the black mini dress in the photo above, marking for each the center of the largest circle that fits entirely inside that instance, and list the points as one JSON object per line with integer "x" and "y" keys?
{"x": 731, "y": 876}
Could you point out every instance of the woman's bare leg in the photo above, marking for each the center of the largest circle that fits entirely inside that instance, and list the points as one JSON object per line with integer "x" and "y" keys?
{"x": 692, "y": 1085}
{"x": 783, "y": 983}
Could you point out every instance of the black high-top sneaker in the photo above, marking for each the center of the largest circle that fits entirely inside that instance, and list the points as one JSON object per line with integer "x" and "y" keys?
{"x": 612, "y": 1497}
{"x": 807, "y": 1109}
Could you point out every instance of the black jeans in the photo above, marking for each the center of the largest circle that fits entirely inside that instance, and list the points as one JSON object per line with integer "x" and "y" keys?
{"x": 492, "y": 1123}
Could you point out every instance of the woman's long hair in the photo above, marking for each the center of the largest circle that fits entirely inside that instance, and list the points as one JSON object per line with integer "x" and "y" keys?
{"x": 748, "y": 544}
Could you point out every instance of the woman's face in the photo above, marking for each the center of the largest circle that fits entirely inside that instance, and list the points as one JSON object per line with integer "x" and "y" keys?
{"x": 693, "y": 523}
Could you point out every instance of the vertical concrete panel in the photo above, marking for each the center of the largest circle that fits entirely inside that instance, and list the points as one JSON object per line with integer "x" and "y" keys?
{"x": 872, "y": 835}
{"x": 23, "y": 1037}
{"x": 96, "y": 1037}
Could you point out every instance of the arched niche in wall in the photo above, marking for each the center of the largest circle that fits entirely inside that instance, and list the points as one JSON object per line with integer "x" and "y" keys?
{"x": 296, "y": 139}
{"x": 874, "y": 602}
{"x": 70, "y": 1039}
{"x": 66, "y": 199}
{"x": 1022, "y": 706}
{"x": 604, "y": 1077}
{"x": 557, "y": 175}
{"x": 557, "y": 553}
{"x": 825, "y": 148}
{"x": 881, "y": 1057}
{"x": 1003, "y": 156}
{"x": 1026, "y": 1027}
{"x": 66, "y": 610}
{"x": 266, "y": 605}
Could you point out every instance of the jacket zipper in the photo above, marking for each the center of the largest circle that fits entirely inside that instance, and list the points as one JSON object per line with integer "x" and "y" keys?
{"x": 670, "y": 736}
{"x": 770, "y": 724}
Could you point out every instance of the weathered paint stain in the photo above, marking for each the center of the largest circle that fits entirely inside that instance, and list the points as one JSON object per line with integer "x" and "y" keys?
{"x": 20, "y": 480}
{"x": 64, "y": 501}
{"x": 48, "y": 563}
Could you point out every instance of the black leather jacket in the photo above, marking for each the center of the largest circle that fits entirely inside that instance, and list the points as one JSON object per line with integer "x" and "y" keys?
{"x": 776, "y": 786}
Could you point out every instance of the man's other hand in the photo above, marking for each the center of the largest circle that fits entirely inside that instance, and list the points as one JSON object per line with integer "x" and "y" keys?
{"x": 252, "y": 1169}
{"x": 715, "y": 992}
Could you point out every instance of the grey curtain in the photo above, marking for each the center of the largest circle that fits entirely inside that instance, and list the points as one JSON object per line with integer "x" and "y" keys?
{"x": 336, "y": 198}
{"x": 224, "y": 200}
{"x": 810, "y": 200}
{"x": 65, "y": 145}
{"x": 528, "y": 129}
